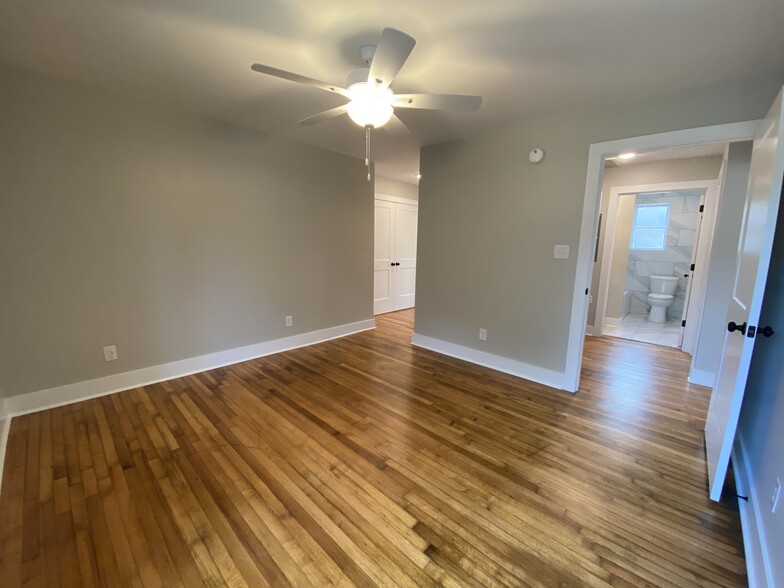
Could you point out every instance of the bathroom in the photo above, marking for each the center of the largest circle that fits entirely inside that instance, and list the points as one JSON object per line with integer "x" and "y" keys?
{"x": 653, "y": 250}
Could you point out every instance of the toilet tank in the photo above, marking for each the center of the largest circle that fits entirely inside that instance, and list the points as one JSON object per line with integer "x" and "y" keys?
{"x": 663, "y": 285}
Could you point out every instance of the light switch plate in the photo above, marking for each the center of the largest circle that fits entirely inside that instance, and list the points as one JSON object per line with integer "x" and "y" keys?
{"x": 561, "y": 252}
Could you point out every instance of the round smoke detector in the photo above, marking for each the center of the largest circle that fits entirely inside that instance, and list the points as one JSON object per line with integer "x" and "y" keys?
{"x": 536, "y": 155}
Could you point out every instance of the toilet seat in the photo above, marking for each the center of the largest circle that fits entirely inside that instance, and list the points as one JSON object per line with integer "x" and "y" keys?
{"x": 661, "y": 297}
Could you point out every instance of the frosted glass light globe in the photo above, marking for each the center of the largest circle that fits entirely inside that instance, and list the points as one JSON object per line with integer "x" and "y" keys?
{"x": 370, "y": 105}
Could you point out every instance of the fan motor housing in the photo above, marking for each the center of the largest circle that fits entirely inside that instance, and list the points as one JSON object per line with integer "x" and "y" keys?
{"x": 357, "y": 76}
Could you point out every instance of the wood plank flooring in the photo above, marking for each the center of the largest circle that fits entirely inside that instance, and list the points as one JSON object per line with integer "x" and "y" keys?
{"x": 366, "y": 461}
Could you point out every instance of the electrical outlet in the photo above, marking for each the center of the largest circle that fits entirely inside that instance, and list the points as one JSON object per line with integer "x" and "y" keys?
{"x": 774, "y": 499}
{"x": 110, "y": 353}
{"x": 561, "y": 252}
{"x": 289, "y": 320}
{"x": 590, "y": 298}
{"x": 483, "y": 334}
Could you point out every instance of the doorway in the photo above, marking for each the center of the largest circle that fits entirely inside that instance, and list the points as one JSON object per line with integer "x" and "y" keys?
{"x": 599, "y": 153}
{"x": 394, "y": 257}
{"x": 651, "y": 273}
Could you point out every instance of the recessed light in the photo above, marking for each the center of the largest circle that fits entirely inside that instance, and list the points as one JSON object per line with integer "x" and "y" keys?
{"x": 419, "y": 176}
{"x": 627, "y": 155}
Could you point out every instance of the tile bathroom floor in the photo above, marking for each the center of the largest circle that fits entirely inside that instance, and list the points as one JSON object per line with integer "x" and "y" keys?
{"x": 637, "y": 328}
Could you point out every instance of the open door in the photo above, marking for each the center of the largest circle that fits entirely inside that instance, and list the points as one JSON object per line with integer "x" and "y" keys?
{"x": 754, "y": 249}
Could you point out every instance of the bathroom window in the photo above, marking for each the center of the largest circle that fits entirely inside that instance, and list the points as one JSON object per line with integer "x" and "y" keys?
{"x": 650, "y": 226}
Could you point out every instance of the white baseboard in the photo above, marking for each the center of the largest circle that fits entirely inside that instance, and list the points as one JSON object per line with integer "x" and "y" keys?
{"x": 611, "y": 321}
{"x": 593, "y": 331}
{"x": 702, "y": 378}
{"x": 5, "y": 425}
{"x": 496, "y": 362}
{"x": 62, "y": 395}
{"x": 758, "y": 564}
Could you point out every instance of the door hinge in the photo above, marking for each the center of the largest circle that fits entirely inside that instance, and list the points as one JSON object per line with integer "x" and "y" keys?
{"x": 683, "y": 323}
{"x": 702, "y": 208}
{"x": 691, "y": 268}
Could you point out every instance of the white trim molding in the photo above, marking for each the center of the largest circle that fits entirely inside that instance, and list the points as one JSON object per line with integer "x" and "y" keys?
{"x": 702, "y": 378}
{"x": 62, "y": 395}
{"x": 397, "y": 199}
{"x": 5, "y": 426}
{"x": 758, "y": 565}
{"x": 520, "y": 369}
{"x": 598, "y": 152}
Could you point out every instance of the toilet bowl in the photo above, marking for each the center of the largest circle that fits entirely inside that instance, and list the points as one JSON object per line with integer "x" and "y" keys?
{"x": 661, "y": 297}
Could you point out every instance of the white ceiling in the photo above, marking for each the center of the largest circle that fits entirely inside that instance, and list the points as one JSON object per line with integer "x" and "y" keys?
{"x": 524, "y": 56}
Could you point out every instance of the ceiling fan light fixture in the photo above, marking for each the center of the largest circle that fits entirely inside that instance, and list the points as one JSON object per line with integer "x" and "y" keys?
{"x": 370, "y": 105}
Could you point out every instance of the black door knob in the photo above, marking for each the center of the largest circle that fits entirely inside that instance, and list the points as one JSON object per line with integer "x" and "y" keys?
{"x": 392, "y": 264}
{"x": 732, "y": 327}
{"x": 767, "y": 331}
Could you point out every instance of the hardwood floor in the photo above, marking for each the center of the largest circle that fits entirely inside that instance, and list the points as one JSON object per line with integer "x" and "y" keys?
{"x": 367, "y": 461}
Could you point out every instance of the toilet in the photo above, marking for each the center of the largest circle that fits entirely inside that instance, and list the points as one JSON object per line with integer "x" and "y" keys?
{"x": 661, "y": 296}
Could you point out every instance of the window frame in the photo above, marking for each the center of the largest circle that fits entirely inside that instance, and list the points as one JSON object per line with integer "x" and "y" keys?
{"x": 665, "y": 227}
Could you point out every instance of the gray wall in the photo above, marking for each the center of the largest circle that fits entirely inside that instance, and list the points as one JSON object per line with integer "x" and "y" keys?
{"x": 655, "y": 172}
{"x": 167, "y": 234}
{"x": 762, "y": 417}
{"x": 392, "y": 187}
{"x": 724, "y": 251}
{"x": 624, "y": 219}
{"x": 488, "y": 220}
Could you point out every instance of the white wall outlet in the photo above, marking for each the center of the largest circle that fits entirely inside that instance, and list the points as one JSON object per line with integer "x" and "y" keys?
{"x": 774, "y": 499}
{"x": 590, "y": 298}
{"x": 561, "y": 252}
{"x": 110, "y": 353}
{"x": 483, "y": 334}
{"x": 289, "y": 320}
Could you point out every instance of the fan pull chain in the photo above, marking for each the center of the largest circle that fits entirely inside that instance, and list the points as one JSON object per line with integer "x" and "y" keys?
{"x": 367, "y": 149}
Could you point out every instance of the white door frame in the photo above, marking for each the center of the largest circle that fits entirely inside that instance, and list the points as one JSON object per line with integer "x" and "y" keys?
{"x": 396, "y": 199}
{"x": 597, "y": 154}
{"x": 699, "y": 283}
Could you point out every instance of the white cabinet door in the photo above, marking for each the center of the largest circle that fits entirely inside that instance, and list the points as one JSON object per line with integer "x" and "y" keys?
{"x": 383, "y": 257}
{"x": 754, "y": 249}
{"x": 405, "y": 255}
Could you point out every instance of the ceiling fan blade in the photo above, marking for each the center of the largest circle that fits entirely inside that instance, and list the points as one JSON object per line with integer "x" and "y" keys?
{"x": 322, "y": 116}
{"x": 393, "y": 49}
{"x": 396, "y": 127}
{"x": 287, "y": 75}
{"x": 437, "y": 101}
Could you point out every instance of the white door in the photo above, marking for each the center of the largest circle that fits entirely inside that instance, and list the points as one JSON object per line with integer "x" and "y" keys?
{"x": 383, "y": 257}
{"x": 688, "y": 340}
{"x": 754, "y": 248}
{"x": 405, "y": 255}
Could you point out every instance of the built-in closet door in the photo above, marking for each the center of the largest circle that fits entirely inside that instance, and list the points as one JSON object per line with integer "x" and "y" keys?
{"x": 383, "y": 260}
{"x": 405, "y": 255}
{"x": 394, "y": 266}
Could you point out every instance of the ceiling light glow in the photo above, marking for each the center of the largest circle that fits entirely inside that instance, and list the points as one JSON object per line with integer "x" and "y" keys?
{"x": 370, "y": 106}
{"x": 628, "y": 155}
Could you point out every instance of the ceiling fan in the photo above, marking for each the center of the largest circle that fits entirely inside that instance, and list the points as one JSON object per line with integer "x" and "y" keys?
{"x": 371, "y": 103}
